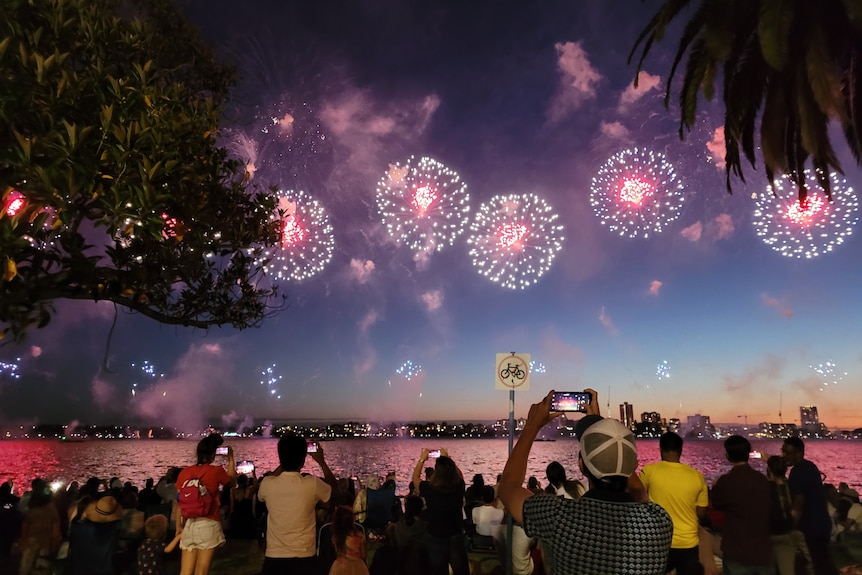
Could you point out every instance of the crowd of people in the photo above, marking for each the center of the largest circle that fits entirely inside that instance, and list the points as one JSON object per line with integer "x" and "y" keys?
{"x": 661, "y": 519}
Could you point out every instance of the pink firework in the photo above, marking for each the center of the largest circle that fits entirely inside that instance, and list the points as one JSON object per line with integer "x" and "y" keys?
{"x": 511, "y": 235}
{"x": 293, "y": 232}
{"x": 15, "y": 203}
{"x": 306, "y": 244}
{"x": 514, "y": 239}
{"x": 423, "y": 204}
{"x": 810, "y": 228}
{"x": 636, "y": 193}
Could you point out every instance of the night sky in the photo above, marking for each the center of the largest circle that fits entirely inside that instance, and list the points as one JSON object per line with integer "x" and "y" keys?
{"x": 517, "y": 98}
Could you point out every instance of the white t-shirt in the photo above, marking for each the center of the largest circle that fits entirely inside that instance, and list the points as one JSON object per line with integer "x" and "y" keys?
{"x": 486, "y": 518}
{"x": 290, "y": 500}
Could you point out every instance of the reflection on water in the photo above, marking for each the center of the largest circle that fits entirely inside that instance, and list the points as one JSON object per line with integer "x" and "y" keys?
{"x": 137, "y": 460}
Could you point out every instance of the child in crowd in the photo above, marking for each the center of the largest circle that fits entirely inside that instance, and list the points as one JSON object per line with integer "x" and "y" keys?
{"x": 152, "y": 551}
{"x": 349, "y": 542}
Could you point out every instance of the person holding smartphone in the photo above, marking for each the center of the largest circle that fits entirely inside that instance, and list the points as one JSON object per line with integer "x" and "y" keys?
{"x": 200, "y": 536}
{"x": 605, "y": 531}
{"x": 290, "y": 499}
{"x": 444, "y": 498}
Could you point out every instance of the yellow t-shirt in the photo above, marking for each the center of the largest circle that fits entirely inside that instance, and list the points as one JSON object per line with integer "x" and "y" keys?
{"x": 679, "y": 489}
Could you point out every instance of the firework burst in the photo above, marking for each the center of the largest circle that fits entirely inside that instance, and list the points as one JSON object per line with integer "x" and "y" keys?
{"x": 15, "y": 202}
{"x": 289, "y": 147}
{"x": 662, "y": 370}
{"x": 271, "y": 379}
{"x": 423, "y": 204}
{"x": 514, "y": 239}
{"x": 828, "y": 374}
{"x": 10, "y": 370}
{"x": 809, "y": 228}
{"x": 409, "y": 370}
{"x": 537, "y": 367}
{"x": 145, "y": 375}
{"x": 636, "y": 193}
{"x": 306, "y": 241}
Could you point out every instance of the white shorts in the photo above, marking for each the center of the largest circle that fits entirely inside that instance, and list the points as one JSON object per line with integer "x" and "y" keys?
{"x": 201, "y": 533}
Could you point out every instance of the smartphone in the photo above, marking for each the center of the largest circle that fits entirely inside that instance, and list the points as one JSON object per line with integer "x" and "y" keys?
{"x": 434, "y": 453}
{"x": 312, "y": 446}
{"x": 570, "y": 401}
{"x": 245, "y": 467}
{"x": 221, "y": 450}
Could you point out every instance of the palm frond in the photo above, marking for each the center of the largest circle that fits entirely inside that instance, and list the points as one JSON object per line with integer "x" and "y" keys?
{"x": 695, "y": 71}
{"x": 655, "y": 29}
{"x": 745, "y": 78}
{"x": 692, "y": 29}
{"x": 852, "y": 92}
{"x": 773, "y": 125}
{"x": 773, "y": 29}
{"x": 822, "y": 72}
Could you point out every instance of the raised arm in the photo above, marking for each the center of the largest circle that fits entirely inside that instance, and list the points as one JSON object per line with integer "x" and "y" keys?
{"x": 328, "y": 476}
{"x": 417, "y": 469}
{"x": 511, "y": 489}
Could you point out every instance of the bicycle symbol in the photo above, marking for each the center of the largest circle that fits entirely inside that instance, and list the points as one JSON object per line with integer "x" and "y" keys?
{"x": 513, "y": 370}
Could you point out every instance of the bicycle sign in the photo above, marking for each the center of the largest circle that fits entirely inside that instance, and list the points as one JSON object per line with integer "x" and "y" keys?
{"x": 513, "y": 371}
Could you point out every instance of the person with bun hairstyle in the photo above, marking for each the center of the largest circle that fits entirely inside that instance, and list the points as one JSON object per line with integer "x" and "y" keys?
{"x": 199, "y": 536}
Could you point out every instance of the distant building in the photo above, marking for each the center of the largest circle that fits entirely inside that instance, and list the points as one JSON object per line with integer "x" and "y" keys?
{"x": 673, "y": 424}
{"x": 627, "y": 414}
{"x": 650, "y": 425}
{"x": 808, "y": 416}
{"x": 699, "y": 427}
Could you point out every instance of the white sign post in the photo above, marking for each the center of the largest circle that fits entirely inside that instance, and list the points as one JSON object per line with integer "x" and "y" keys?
{"x": 512, "y": 373}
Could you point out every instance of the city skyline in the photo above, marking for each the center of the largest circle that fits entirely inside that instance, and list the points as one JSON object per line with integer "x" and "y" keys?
{"x": 532, "y": 107}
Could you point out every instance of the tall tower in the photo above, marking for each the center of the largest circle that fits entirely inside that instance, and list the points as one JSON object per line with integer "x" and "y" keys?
{"x": 627, "y": 414}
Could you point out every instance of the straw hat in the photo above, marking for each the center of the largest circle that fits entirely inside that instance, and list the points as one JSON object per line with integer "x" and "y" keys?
{"x": 104, "y": 510}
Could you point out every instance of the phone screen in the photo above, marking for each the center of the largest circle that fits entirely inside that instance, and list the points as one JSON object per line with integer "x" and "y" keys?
{"x": 434, "y": 453}
{"x": 221, "y": 450}
{"x": 245, "y": 467}
{"x": 570, "y": 401}
{"x": 312, "y": 446}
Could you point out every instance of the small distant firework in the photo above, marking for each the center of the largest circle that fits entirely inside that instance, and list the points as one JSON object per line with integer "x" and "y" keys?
{"x": 828, "y": 374}
{"x": 306, "y": 243}
{"x": 271, "y": 380}
{"x": 9, "y": 370}
{"x": 409, "y": 370}
{"x": 289, "y": 147}
{"x": 15, "y": 202}
{"x": 636, "y": 193}
{"x": 145, "y": 375}
{"x": 662, "y": 370}
{"x": 810, "y": 228}
{"x": 537, "y": 367}
{"x": 423, "y": 204}
{"x": 514, "y": 239}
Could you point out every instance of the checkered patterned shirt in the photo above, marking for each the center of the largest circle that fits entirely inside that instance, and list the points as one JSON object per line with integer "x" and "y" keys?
{"x": 600, "y": 534}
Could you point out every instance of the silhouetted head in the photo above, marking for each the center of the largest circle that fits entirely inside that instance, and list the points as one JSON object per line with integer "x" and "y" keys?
{"x": 446, "y": 478}
{"x": 292, "y": 450}
{"x": 776, "y": 467}
{"x": 670, "y": 442}
{"x": 738, "y": 449}
{"x": 206, "y": 450}
{"x": 793, "y": 451}
{"x": 556, "y": 473}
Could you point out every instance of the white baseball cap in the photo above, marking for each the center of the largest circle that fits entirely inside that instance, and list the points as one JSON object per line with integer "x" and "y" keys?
{"x": 608, "y": 449}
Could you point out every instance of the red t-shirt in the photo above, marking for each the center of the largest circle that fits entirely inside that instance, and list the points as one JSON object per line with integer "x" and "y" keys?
{"x": 212, "y": 476}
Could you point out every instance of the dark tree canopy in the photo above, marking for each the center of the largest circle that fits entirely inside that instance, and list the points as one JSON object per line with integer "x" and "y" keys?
{"x": 112, "y": 184}
{"x": 792, "y": 66}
